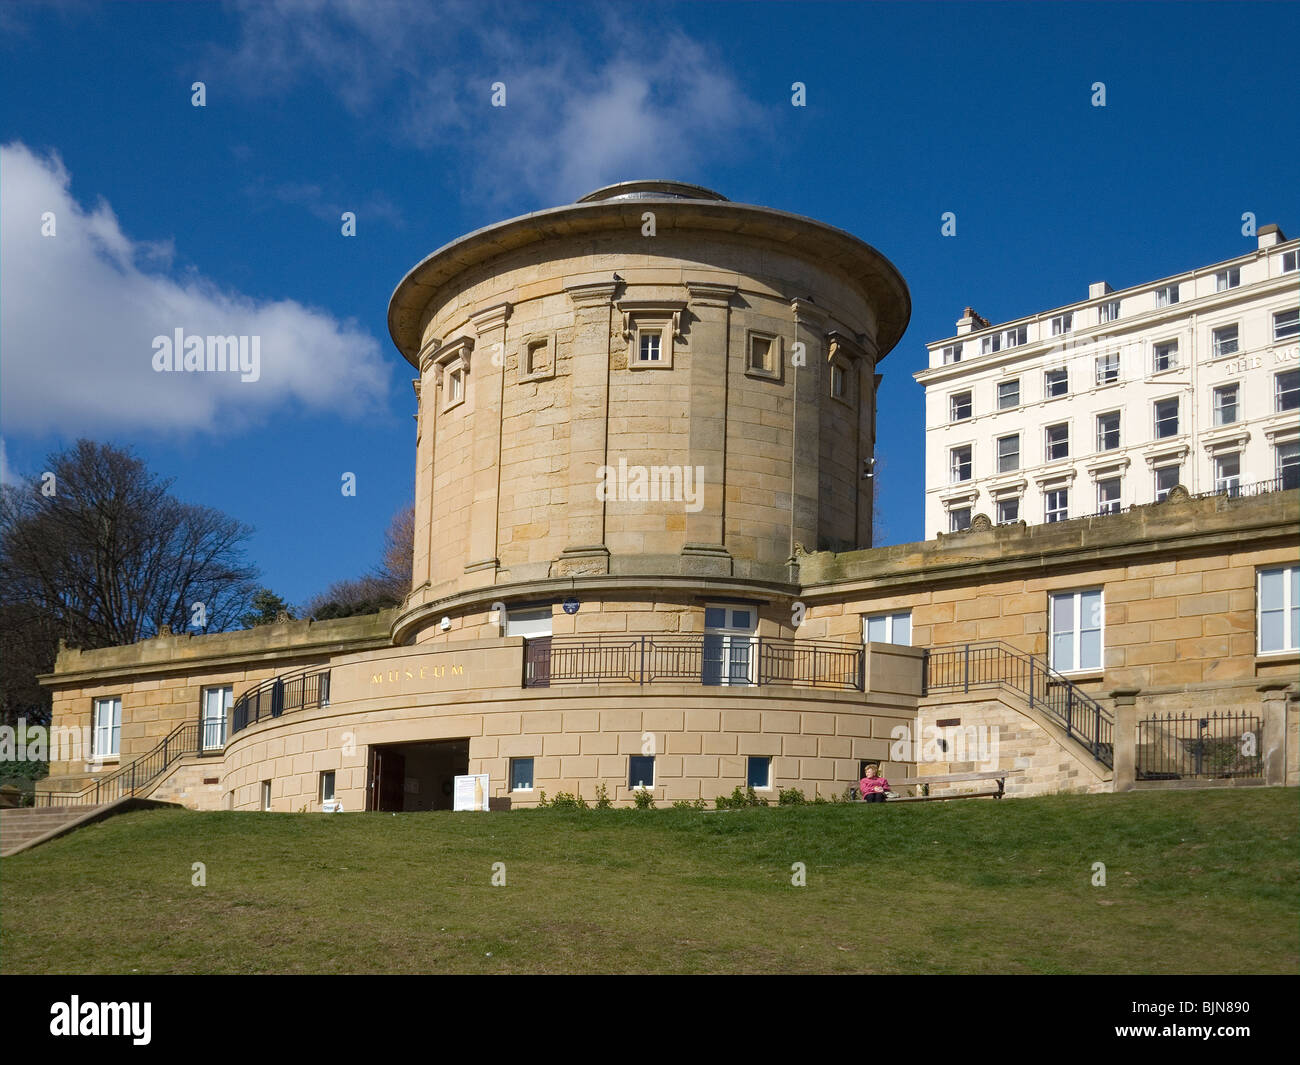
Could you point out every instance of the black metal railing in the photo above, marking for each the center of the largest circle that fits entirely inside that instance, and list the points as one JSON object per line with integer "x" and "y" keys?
{"x": 699, "y": 658}
{"x": 303, "y": 690}
{"x": 1284, "y": 482}
{"x": 967, "y": 667}
{"x": 1178, "y": 746}
{"x": 134, "y": 777}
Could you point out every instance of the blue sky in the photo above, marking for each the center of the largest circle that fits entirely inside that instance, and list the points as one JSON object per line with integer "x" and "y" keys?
{"x": 228, "y": 214}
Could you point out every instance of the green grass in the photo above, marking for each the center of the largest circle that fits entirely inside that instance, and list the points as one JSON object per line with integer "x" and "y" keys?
{"x": 1196, "y": 882}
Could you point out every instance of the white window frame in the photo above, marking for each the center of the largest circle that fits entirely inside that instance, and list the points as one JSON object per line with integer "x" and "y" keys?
{"x": 106, "y": 736}
{"x": 735, "y": 635}
{"x": 1280, "y": 466}
{"x": 954, "y": 466}
{"x": 1166, "y": 295}
{"x": 1161, "y": 493}
{"x": 750, "y": 759}
{"x": 1108, "y": 368}
{"x": 1218, "y": 406}
{"x": 1062, "y": 324}
{"x": 893, "y": 622}
{"x": 1220, "y": 341}
{"x": 1290, "y": 261}
{"x": 1110, "y": 506}
{"x": 1009, "y": 501}
{"x": 1047, "y": 442}
{"x": 1279, "y": 393}
{"x": 266, "y": 796}
{"x": 951, "y": 354}
{"x": 1101, "y": 431}
{"x": 1062, "y": 508}
{"x": 1049, "y": 375}
{"x": 210, "y": 723}
{"x": 1000, "y": 457}
{"x": 955, "y": 401}
{"x": 1226, "y": 279}
{"x": 1077, "y": 630}
{"x": 1108, "y": 311}
{"x": 1166, "y": 350}
{"x": 1289, "y": 606}
{"x": 531, "y": 776}
{"x": 654, "y": 772}
{"x": 953, "y": 524}
{"x": 530, "y": 622}
{"x": 1156, "y": 419}
{"x": 1286, "y": 324}
{"x": 1002, "y": 384}
{"x": 1230, "y": 482}
{"x": 332, "y": 774}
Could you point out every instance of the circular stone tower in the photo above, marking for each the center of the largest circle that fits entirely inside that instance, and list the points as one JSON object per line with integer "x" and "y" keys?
{"x": 651, "y": 389}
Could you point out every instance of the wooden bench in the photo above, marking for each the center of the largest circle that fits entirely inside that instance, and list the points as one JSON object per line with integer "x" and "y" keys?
{"x": 999, "y": 775}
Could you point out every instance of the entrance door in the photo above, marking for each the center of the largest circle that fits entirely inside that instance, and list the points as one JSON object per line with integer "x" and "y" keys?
{"x": 730, "y": 647}
{"x": 387, "y": 779}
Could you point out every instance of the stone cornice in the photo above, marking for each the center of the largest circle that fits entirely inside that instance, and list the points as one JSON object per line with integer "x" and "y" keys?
{"x": 599, "y": 294}
{"x": 710, "y": 294}
{"x": 490, "y": 318}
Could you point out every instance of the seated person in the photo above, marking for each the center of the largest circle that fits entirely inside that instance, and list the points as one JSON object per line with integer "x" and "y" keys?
{"x": 872, "y": 786}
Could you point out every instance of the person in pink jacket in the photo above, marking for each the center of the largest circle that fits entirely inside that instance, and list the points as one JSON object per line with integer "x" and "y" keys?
{"x": 873, "y": 786}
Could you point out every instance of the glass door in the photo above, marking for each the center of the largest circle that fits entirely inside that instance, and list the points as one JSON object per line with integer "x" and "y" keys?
{"x": 730, "y": 653}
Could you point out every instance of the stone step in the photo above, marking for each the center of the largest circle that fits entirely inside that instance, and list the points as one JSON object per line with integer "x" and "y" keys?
{"x": 18, "y": 826}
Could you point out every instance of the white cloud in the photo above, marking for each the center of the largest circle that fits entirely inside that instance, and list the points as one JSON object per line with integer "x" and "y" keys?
{"x": 8, "y": 475}
{"x": 625, "y": 100}
{"x": 80, "y": 311}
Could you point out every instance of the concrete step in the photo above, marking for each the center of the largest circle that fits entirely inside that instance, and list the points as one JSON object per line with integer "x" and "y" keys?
{"x": 18, "y": 826}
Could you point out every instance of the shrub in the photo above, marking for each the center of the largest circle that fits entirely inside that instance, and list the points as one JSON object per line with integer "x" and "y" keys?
{"x": 820, "y": 800}
{"x": 644, "y": 799}
{"x": 564, "y": 801}
{"x": 790, "y": 797}
{"x": 603, "y": 801}
{"x": 682, "y": 804}
{"x": 541, "y": 802}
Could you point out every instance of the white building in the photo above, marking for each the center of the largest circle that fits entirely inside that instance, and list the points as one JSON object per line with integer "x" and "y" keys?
{"x": 1193, "y": 379}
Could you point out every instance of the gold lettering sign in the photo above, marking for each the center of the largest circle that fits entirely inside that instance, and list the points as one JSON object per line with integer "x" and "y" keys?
{"x": 395, "y": 676}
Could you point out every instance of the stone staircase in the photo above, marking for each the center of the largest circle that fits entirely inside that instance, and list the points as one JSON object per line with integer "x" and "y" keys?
{"x": 20, "y": 826}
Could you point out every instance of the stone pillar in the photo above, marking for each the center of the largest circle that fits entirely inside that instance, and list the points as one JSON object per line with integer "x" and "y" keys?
{"x": 489, "y": 377}
{"x": 1273, "y": 706}
{"x": 805, "y": 453}
{"x": 1124, "y": 774}
{"x": 589, "y": 370}
{"x": 704, "y": 551}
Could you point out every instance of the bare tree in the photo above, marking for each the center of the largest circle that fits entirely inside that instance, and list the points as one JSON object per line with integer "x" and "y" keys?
{"x": 387, "y": 586}
{"x": 103, "y": 554}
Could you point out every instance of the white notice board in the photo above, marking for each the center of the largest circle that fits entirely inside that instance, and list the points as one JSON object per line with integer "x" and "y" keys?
{"x": 471, "y": 792}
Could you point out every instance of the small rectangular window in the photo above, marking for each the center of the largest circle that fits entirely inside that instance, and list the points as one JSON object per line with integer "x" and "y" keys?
{"x": 1058, "y": 441}
{"x": 762, "y": 355}
{"x": 1008, "y": 510}
{"x": 1062, "y": 324}
{"x": 1226, "y": 404}
{"x": 960, "y": 407}
{"x": 266, "y": 795}
{"x": 959, "y": 519}
{"x": 521, "y": 774}
{"x": 1166, "y": 478}
{"x": 216, "y": 713}
{"x": 455, "y": 386}
{"x": 327, "y": 785}
{"x": 651, "y": 346}
{"x": 1227, "y": 473}
{"x": 1166, "y": 355}
{"x": 106, "y": 739}
{"x": 1109, "y": 311}
{"x": 1288, "y": 261}
{"x": 1008, "y": 453}
{"x": 1108, "y": 431}
{"x": 1226, "y": 279}
{"x": 1167, "y": 296}
{"x": 1108, "y": 368}
{"x": 961, "y": 463}
{"x": 1286, "y": 390}
{"x": 537, "y": 357}
{"x": 889, "y": 628}
{"x": 1015, "y": 337}
{"x": 1008, "y": 394}
{"x": 1076, "y": 627}
{"x": 1278, "y": 621}
{"x": 1166, "y": 412}
{"x": 641, "y": 771}
{"x": 1056, "y": 382}
{"x": 990, "y": 343}
{"x": 1286, "y": 324}
{"x": 1108, "y": 492}
{"x": 1058, "y": 504}
{"x": 758, "y": 774}
{"x": 1225, "y": 341}
{"x": 951, "y": 354}
{"x": 837, "y": 381}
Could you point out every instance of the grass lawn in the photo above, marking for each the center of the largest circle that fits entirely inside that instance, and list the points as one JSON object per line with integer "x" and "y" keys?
{"x": 1195, "y": 883}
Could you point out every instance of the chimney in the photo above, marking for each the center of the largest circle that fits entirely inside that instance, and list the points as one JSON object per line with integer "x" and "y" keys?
{"x": 1270, "y": 235}
{"x": 970, "y": 321}
{"x": 1099, "y": 288}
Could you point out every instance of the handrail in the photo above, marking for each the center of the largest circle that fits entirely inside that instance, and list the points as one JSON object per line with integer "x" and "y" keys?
{"x": 133, "y": 777}
{"x": 303, "y": 689}
{"x": 992, "y": 663}
{"x": 702, "y": 658}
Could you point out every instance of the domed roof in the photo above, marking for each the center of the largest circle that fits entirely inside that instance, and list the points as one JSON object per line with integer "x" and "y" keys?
{"x": 652, "y": 190}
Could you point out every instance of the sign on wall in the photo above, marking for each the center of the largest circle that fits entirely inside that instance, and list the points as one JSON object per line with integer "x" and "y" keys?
{"x": 471, "y": 792}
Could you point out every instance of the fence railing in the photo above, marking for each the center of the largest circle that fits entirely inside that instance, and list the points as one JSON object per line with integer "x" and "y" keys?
{"x": 699, "y": 658}
{"x": 1179, "y": 746}
{"x": 132, "y": 778}
{"x": 972, "y": 666}
{"x": 1284, "y": 482}
{"x": 304, "y": 690}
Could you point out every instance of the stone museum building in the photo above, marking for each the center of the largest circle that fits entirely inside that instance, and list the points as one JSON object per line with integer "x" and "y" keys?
{"x": 643, "y": 561}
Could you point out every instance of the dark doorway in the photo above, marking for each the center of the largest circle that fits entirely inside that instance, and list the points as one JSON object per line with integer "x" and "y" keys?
{"x": 416, "y": 776}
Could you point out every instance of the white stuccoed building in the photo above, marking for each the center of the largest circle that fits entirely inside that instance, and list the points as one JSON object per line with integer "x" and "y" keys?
{"x": 1190, "y": 380}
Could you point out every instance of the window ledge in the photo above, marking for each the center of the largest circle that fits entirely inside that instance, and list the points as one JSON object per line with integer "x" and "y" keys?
{"x": 1269, "y": 658}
